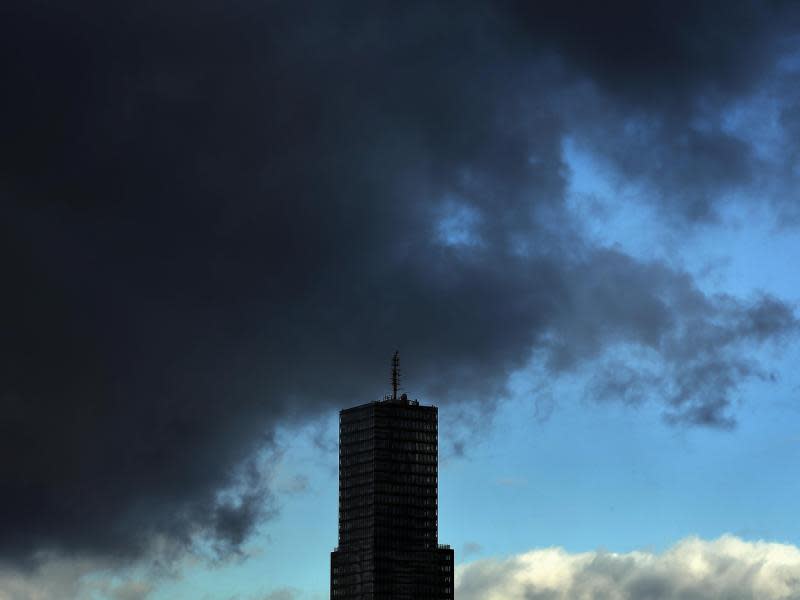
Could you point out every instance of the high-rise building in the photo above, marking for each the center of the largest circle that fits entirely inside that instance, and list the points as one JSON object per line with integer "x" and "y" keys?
{"x": 388, "y": 503}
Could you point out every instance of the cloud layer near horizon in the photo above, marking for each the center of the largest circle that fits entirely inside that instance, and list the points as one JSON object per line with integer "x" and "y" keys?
{"x": 694, "y": 569}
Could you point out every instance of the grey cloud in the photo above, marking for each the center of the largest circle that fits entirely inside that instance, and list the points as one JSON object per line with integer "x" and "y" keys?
{"x": 674, "y": 342}
{"x": 297, "y": 484}
{"x": 218, "y": 218}
{"x": 724, "y": 568}
{"x": 692, "y": 163}
{"x": 653, "y": 102}
{"x": 73, "y": 579}
{"x": 282, "y": 594}
{"x": 234, "y": 521}
{"x": 661, "y": 53}
{"x": 471, "y": 548}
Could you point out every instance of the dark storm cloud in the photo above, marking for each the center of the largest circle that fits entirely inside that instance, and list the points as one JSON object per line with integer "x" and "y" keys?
{"x": 220, "y": 217}
{"x": 659, "y": 88}
{"x": 685, "y": 162}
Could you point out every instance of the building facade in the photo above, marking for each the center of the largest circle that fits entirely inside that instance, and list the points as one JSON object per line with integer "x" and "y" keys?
{"x": 388, "y": 505}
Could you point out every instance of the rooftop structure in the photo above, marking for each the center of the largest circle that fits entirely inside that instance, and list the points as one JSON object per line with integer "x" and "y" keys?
{"x": 388, "y": 503}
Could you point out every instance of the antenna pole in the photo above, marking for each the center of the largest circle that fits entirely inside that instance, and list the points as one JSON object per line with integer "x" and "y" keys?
{"x": 395, "y": 374}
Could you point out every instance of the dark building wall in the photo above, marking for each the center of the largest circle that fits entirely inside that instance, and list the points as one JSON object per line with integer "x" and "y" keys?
{"x": 388, "y": 508}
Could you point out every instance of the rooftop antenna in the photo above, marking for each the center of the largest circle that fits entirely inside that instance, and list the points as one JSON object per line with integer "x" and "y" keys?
{"x": 395, "y": 374}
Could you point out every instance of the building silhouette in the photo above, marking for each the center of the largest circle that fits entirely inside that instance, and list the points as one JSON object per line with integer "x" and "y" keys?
{"x": 388, "y": 516}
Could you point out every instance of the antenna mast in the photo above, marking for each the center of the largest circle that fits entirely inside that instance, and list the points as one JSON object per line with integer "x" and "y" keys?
{"x": 395, "y": 374}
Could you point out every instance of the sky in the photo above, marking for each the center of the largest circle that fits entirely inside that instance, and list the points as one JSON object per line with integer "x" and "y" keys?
{"x": 577, "y": 222}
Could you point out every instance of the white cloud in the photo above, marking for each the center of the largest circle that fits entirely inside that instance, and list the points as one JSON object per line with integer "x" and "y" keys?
{"x": 694, "y": 569}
